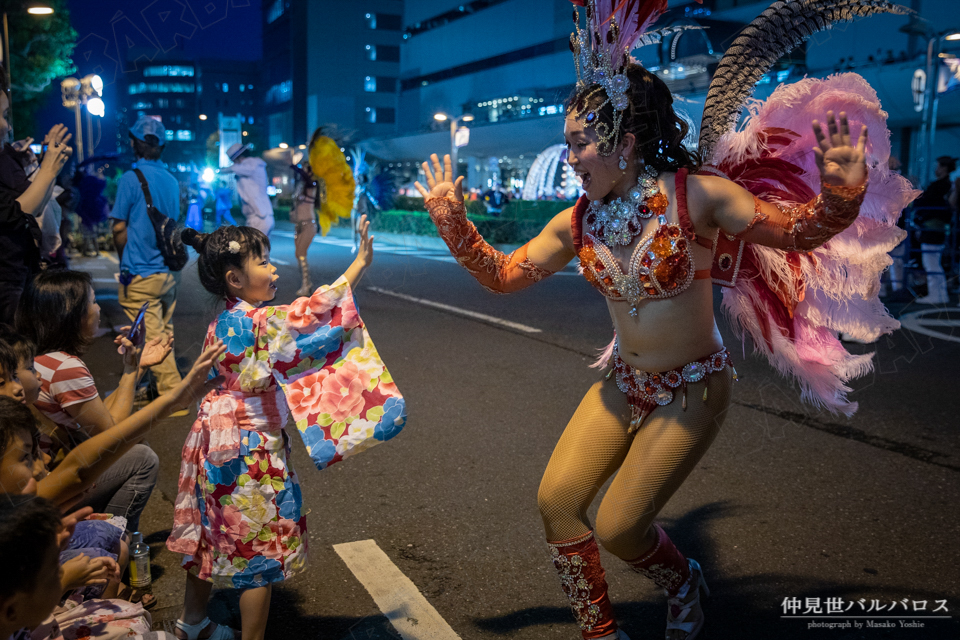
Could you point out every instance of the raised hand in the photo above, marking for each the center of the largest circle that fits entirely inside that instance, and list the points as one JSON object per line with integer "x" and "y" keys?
{"x": 365, "y": 251}
{"x": 156, "y": 351}
{"x": 440, "y": 180}
{"x": 838, "y": 161}
{"x": 57, "y": 151}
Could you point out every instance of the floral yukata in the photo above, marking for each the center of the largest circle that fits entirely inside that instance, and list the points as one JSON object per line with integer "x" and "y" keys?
{"x": 238, "y": 517}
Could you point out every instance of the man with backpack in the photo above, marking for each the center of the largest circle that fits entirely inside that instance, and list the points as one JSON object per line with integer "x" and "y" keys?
{"x": 145, "y": 270}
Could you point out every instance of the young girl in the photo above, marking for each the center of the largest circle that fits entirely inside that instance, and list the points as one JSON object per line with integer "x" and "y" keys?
{"x": 238, "y": 517}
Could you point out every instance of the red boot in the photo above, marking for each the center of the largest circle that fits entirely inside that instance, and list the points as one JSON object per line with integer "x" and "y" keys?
{"x": 582, "y": 579}
{"x": 681, "y": 580}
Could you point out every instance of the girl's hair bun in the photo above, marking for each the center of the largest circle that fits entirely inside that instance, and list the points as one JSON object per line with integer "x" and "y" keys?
{"x": 194, "y": 238}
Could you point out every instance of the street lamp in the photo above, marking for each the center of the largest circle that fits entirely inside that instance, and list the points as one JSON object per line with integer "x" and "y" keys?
{"x": 36, "y": 10}
{"x": 91, "y": 88}
{"x": 454, "y": 122}
{"x": 931, "y": 99}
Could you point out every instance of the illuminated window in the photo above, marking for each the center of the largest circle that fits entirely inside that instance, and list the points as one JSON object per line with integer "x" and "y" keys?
{"x": 143, "y": 105}
{"x": 370, "y": 84}
{"x": 168, "y": 70}
{"x": 278, "y": 93}
{"x": 371, "y": 50}
{"x": 169, "y": 134}
{"x": 276, "y": 10}
{"x": 184, "y": 134}
{"x": 159, "y": 87}
{"x": 226, "y": 88}
{"x": 371, "y": 20}
{"x": 371, "y": 114}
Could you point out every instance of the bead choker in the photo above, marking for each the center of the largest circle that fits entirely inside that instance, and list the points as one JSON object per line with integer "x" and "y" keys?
{"x": 620, "y": 221}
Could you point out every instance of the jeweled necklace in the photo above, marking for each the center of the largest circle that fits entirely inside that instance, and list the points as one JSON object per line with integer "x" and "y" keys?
{"x": 620, "y": 221}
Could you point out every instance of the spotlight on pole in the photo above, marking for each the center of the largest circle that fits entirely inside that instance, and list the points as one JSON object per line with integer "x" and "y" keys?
{"x": 440, "y": 117}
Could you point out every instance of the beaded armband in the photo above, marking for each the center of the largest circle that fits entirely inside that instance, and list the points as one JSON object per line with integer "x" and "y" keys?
{"x": 494, "y": 270}
{"x": 807, "y": 226}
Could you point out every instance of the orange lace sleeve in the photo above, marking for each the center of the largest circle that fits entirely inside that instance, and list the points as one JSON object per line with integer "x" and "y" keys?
{"x": 806, "y": 226}
{"x": 494, "y": 270}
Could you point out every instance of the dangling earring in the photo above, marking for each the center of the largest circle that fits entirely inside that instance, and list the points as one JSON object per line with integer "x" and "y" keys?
{"x": 623, "y": 163}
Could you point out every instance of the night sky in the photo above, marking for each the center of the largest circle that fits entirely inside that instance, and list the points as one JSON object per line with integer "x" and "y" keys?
{"x": 160, "y": 29}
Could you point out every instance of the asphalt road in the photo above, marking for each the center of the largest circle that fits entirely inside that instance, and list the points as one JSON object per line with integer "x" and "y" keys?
{"x": 788, "y": 503}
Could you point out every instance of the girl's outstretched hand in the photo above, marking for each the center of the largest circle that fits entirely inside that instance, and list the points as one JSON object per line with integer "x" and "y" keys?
{"x": 195, "y": 385}
{"x": 365, "y": 250}
{"x": 840, "y": 163}
{"x": 440, "y": 180}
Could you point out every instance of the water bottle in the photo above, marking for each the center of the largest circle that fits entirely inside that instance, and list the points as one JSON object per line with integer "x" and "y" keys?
{"x": 139, "y": 562}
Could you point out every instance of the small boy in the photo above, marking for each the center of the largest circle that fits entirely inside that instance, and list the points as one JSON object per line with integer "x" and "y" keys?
{"x": 31, "y": 589}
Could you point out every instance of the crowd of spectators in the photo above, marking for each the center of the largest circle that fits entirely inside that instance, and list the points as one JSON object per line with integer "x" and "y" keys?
{"x": 75, "y": 470}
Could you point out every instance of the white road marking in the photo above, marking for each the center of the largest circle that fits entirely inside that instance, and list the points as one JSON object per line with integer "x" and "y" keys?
{"x": 396, "y": 595}
{"x": 919, "y": 323}
{"x": 110, "y": 257}
{"x": 457, "y": 310}
{"x": 107, "y": 280}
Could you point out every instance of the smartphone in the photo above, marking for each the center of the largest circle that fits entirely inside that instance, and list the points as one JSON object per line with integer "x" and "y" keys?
{"x": 136, "y": 331}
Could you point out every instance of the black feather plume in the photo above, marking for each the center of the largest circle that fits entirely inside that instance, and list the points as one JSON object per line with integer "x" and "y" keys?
{"x": 772, "y": 35}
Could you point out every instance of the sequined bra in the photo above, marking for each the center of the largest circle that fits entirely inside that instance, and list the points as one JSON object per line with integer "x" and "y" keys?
{"x": 661, "y": 266}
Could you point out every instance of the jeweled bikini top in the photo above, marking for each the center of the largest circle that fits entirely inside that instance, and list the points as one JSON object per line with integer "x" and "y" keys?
{"x": 661, "y": 266}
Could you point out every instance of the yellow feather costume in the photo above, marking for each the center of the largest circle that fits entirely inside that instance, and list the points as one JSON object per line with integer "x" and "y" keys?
{"x": 335, "y": 184}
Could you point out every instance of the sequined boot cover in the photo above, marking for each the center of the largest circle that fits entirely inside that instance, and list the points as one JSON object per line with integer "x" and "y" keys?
{"x": 582, "y": 579}
{"x": 663, "y": 564}
{"x": 306, "y": 286}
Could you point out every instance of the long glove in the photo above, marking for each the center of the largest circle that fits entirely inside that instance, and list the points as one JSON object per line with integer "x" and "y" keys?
{"x": 806, "y": 226}
{"x": 494, "y": 270}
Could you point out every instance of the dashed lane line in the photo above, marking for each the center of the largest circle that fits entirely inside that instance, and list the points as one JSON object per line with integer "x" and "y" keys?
{"x": 396, "y": 595}
{"x": 457, "y": 310}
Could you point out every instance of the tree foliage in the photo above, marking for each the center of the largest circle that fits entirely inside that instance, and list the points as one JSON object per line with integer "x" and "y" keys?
{"x": 40, "y": 50}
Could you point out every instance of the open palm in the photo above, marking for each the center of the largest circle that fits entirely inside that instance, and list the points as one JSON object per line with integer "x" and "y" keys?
{"x": 440, "y": 180}
{"x": 838, "y": 161}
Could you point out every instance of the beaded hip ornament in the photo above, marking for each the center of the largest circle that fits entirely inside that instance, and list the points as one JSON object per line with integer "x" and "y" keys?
{"x": 620, "y": 221}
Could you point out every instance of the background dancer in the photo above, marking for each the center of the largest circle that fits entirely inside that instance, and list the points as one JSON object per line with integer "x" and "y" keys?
{"x": 251, "y": 175}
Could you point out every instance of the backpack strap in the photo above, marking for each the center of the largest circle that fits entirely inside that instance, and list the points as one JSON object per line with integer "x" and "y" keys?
{"x": 144, "y": 186}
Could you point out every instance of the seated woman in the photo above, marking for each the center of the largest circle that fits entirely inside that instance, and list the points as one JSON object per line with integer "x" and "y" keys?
{"x": 59, "y": 313}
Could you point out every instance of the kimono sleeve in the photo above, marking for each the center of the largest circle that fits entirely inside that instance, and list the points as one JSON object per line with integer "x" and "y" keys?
{"x": 340, "y": 394}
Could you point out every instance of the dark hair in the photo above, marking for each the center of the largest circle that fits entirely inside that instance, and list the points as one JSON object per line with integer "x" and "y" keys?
{"x": 23, "y": 347}
{"x": 14, "y": 418}
{"x": 649, "y": 116}
{"x": 9, "y": 362}
{"x": 28, "y": 530}
{"x": 3, "y": 79}
{"x": 53, "y": 309}
{"x": 318, "y": 133}
{"x": 148, "y": 150}
{"x": 215, "y": 255}
{"x": 949, "y": 163}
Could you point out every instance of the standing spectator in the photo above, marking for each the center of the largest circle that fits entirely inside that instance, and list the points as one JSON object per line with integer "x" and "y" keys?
{"x": 251, "y": 175}
{"x": 20, "y": 202}
{"x": 934, "y": 214}
{"x": 144, "y": 278}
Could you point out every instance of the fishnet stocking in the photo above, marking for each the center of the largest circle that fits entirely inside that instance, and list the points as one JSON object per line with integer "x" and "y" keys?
{"x": 652, "y": 465}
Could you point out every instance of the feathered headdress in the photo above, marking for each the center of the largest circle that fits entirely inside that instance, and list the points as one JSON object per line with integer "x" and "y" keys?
{"x": 335, "y": 185}
{"x": 601, "y": 53}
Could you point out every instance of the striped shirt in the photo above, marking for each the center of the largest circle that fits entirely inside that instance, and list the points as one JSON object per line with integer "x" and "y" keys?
{"x": 64, "y": 382}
